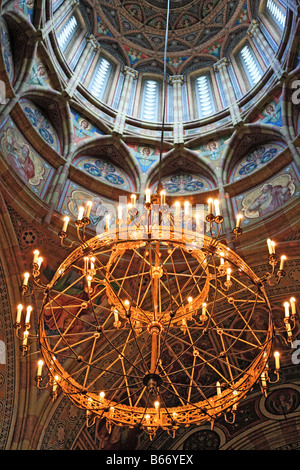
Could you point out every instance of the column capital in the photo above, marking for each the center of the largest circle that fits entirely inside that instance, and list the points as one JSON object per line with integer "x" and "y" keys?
{"x": 253, "y": 28}
{"x": 129, "y": 71}
{"x": 224, "y": 62}
{"x": 176, "y": 79}
{"x": 93, "y": 41}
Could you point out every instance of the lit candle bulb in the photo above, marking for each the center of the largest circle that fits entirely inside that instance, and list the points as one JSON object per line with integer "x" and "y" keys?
{"x": 222, "y": 258}
{"x": 101, "y": 396}
{"x": 148, "y": 196}
{"x": 26, "y": 277}
{"x": 277, "y": 360}
{"x": 54, "y": 387}
{"x": 157, "y": 407}
{"x": 147, "y": 419}
{"x": 190, "y": 300}
{"x": 177, "y": 208}
{"x": 92, "y": 263}
{"x": 238, "y": 220}
{"x": 217, "y": 207}
{"x": 35, "y": 256}
{"x": 162, "y": 197}
{"x": 293, "y": 305}
{"x": 282, "y": 260}
{"x": 39, "y": 261}
{"x": 116, "y": 315}
{"x": 210, "y": 206}
{"x": 286, "y": 309}
{"x": 28, "y": 314}
{"x": 25, "y": 337}
{"x": 40, "y": 368}
{"x": 228, "y": 274}
{"x": 88, "y": 209}
{"x": 204, "y": 309}
{"x": 218, "y": 388}
{"x": 89, "y": 281}
{"x": 272, "y": 247}
{"x": 66, "y": 222}
{"x": 120, "y": 212}
{"x": 19, "y": 313}
{"x": 107, "y": 221}
{"x": 263, "y": 379}
{"x": 80, "y": 213}
{"x": 133, "y": 200}
{"x": 127, "y": 304}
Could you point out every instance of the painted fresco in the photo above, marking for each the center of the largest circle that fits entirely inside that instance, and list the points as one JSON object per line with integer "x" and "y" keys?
{"x": 256, "y": 160}
{"x": 36, "y": 172}
{"x": 213, "y": 150}
{"x": 40, "y": 75}
{"x": 83, "y": 129}
{"x": 272, "y": 112}
{"x": 103, "y": 171}
{"x": 269, "y": 197}
{"x": 74, "y": 196}
{"x": 26, "y": 7}
{"x": 146, "y": 155}
{"x": 7, "y": 51}
{"x": 185, "y": 183}
{"x": 42, "y": 124}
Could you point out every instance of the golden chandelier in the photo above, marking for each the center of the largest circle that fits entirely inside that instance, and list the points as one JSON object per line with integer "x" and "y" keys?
{"x": 154, "y": 323}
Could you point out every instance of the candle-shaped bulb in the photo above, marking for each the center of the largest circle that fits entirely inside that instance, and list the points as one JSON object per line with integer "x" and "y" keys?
{"x": 35, "y": 256}
{"x": 148, "y": 196}
{"x": 133, "y": 200}
{"x": 116, "y": 315}
{"x": 282, "y": 260}
{"x": 277, "y": 360}
{"x": 107, "y": 221}
{"x": 210, "y": 206}
{"x": 263, "y": 379}
{"x": 293, "y": 305}
{"x": 228, "y": 274}
{"x": 26, "y": 277}
{"x": 203, "y": 308}
{"x": 19, "y": 313}
{"x": 88, "y": 209}
{"x": 101, "y": 396}
{"x": 186, "y": 207}
{"x": 127, "y": 304}
{"x": 92, "y": 263}
{"x": 217, "y": 207}
{"x": 28, "y": 314}
{"x": 273, "y": 247}
{"x": 222, "y": 258}
{"x": 66, "y": 222}
{"x": 40, "y": 368}
{"x": 80, "y": 213}
{"x": 218, "y": 385}
{"x": 286, "y": 309}
{"x": 177, "y": 208}
{"x": 270, "y": 247}
{"x": 39, "y": 261}
{"x": 163, "y": 197}
{"x": 238, "y": 220}
{"x": 25, "y": 337}
{"x": 120, "y": 212}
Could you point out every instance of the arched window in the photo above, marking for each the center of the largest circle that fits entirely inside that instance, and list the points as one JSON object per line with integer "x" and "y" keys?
{"x": 150, "y": 100}
{"x": 204, "y": 96}
{"x": 250, "y": 64}
{"x": 67, "y": 32}
{"x": 101, "y": 77}
{"x": 277, "y": 12}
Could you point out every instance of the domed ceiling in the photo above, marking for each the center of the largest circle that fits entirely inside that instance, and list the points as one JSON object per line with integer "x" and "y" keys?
{"x": 198, "y": 29}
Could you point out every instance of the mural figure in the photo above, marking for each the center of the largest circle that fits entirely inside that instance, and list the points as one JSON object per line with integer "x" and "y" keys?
{"x": 269, "y": 197}
{"x": 83, "y": 128}
{"x": 272, "y": 113}
{"x": 99, "y": 208}
{"x": 282, "y": 401}
{"x": 146, "y": 156}
{"x": 21, "y": 158}
{"x": 39, "y": 75}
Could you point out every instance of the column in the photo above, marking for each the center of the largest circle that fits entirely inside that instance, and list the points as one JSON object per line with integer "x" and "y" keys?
{"x": 130, "y": 75}
{"x": 222, "y": 68}
{"x": 255, "y": 32}
{"x": 91, "y": 43}
{"x": 176, "y": 81}
{"x": 67, "y": 6}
